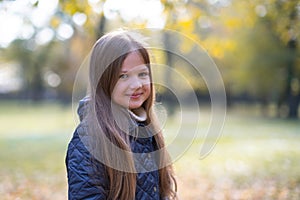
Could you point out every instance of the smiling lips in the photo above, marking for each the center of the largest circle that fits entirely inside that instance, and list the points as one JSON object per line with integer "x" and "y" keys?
{"x": 135, "y": 95}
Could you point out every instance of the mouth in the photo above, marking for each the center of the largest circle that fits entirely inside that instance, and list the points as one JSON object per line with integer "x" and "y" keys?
{"x": 135, "y": 95}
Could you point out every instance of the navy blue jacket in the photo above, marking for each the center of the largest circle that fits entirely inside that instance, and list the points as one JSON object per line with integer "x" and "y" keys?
{"x": 87, "y": 182}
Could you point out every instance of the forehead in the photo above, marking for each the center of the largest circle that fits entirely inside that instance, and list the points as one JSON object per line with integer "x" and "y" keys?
{"x": 132, "y": 61}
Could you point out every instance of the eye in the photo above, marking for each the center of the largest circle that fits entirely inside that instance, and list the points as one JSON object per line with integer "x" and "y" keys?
{"x": 143, "y": 74}
{"x": 123, "y": 76}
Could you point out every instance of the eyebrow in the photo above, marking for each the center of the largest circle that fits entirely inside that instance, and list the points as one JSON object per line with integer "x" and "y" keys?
{"x": 143, "y": 68}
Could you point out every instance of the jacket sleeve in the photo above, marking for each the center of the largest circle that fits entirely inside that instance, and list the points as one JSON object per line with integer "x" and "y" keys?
{"x": 84, "y": 180}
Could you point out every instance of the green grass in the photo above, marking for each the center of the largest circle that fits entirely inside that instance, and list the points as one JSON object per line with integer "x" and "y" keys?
{"x": 256, "y": 158}
{"x": 33, "y": 141}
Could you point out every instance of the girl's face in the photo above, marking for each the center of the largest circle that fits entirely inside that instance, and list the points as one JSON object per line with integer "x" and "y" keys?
{"x": 133, "y": 86}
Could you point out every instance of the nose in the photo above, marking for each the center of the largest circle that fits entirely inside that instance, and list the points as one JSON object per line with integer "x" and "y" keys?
{"x": 136, "y": 83}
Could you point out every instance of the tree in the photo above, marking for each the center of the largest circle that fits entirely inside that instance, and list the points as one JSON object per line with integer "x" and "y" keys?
{"x": 62, "y": 53}
{"x": 253, "y": 43}
{"x": 270, "y": 42}
{"x": 31, "y": 64}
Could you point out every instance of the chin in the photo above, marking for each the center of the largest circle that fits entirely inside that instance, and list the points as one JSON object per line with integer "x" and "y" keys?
{"x": 131, "y": 107}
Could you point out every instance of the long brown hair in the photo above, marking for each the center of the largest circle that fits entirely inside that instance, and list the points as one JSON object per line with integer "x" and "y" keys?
{"x": 106, "y": 61}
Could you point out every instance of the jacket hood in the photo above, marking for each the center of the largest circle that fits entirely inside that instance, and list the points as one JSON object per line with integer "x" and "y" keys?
{"x": 82, "y": 108}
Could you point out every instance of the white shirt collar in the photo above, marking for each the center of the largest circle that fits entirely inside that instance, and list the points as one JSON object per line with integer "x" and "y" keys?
{"x": 138, "y": 114}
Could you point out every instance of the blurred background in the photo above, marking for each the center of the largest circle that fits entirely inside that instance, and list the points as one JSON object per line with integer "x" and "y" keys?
{"x": 254, "y": 43}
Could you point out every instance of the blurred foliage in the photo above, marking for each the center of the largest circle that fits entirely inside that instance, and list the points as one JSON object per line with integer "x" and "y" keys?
{"x": 254, "y": 44}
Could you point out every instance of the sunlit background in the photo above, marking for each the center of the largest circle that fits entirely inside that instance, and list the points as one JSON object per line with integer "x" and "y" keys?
{"x": 255, "y": 45}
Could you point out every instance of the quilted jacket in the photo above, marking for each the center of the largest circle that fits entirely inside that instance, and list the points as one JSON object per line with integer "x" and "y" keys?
{"x": 87, "y": 182}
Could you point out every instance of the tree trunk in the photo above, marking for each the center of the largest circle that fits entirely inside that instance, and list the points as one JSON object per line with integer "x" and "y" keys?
{"x": 37, "y": 89}
{"x": 101, "y": 26}
{"x": 292, "y": 97}
{"x": 168, "y": 96}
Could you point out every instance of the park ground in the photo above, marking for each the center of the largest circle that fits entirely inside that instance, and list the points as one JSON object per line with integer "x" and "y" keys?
{"x": 255, "y": 158}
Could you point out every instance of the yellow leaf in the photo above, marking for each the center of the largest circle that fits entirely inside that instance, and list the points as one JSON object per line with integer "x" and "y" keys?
{"x": 55, "y": 21}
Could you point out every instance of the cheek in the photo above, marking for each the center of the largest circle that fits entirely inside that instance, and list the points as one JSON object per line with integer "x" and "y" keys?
{"x": 148, "y": 89}
{"x": 113, "y": 96}
{"x": 117, "y": 91}
{"x": 119, "y": 87}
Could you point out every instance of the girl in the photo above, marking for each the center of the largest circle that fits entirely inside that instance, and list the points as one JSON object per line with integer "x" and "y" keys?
{"x": 117, "y": 151}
